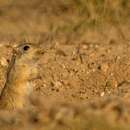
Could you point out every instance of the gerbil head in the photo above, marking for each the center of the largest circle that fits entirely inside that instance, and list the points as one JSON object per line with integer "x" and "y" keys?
{"x": 26, "y": 52}
{"x": 26, "y": 59}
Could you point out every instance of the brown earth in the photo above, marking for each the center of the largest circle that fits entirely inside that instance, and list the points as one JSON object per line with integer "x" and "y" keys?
{"x": 84, "y": 79}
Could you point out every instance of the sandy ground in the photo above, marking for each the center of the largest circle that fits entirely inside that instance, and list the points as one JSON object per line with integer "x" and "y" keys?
{"x": 84, "y": 70}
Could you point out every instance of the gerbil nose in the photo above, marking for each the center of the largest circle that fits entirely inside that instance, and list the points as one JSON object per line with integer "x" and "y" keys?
{"x": 40, "y": 52}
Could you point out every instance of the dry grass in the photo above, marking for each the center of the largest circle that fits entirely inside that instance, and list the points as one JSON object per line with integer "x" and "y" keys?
{"x": 64, "y": 19}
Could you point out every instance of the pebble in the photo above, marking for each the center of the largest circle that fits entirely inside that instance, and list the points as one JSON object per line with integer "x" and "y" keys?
{"x": 102, "y": 94}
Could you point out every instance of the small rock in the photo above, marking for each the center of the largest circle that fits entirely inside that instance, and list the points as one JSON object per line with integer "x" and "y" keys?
{"x": 102, "y": 94}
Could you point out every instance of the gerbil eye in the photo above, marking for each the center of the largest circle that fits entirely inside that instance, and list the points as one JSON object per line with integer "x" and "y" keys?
{"x": 26, "y": 48}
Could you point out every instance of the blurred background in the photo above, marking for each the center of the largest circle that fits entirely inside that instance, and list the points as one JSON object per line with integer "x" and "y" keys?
{"x": 65, "y": 21}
